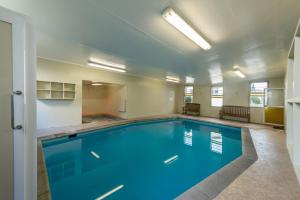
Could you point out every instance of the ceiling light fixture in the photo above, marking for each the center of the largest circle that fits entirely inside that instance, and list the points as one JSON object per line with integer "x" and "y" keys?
{"x": 108, "y": 63}
{"x": 108, "y": 66}
{"x": 239, "y": 73}
{"x": 172, "y": 79}
{"x": 96, "y": 84}
{"x": 175, "y": 20}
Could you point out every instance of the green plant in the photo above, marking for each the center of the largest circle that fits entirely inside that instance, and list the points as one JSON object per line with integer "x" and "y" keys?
{"x": 255, "y": 100}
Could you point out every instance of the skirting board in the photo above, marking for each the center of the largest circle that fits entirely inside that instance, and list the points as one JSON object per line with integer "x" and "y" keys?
{"x": 296, "y": 167}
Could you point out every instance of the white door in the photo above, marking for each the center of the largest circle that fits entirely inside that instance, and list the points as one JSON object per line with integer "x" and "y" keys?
{"x": 6, "y": 133}
{"x": 17, "y": 108}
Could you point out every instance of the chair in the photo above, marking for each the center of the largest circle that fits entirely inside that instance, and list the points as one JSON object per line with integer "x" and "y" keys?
{"x": 191, "y": 109}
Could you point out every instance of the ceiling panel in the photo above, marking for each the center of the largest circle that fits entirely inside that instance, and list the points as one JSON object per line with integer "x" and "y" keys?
{"x": 253, "y": 34}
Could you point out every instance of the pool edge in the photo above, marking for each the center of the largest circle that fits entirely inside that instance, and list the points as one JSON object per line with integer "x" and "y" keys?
{"x": 128, "y": 121}
{"x": 43, "y": 188}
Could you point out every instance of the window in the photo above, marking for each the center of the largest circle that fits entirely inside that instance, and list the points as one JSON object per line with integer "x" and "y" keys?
{"x": 257, "y": 94}
{"x": 217, "y": 96}
{"x": 188, "y": 94}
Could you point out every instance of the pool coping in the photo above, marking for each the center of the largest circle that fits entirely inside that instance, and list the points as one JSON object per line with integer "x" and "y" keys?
{"x": 214, "y": 184}
{"x": 206, "y": 189}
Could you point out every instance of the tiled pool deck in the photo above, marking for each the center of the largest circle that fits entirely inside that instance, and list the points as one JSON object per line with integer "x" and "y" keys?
{"x": 270, "y": 177}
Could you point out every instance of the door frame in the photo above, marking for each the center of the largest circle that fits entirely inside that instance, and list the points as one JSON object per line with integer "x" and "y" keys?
{"x": 23, "y": 63}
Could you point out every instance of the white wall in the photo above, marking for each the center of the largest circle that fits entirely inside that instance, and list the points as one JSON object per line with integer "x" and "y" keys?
{"x": 234, "y": 94}
{"x": 144, "y": 96}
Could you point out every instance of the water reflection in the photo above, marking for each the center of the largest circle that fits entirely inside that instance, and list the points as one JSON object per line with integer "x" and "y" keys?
{"x": 216, "y": 142}
{"x": 61, "y": 170}
{"x": 110, "y": 192}
{"x": 63, "y": 160}
{"x": 95, "y": 154}
{"x": 170, "y": 160}
{"x": 188, "y": 138}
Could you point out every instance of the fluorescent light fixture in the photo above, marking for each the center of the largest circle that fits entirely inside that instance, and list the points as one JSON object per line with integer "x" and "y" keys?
{"x": 169, "y": 160}
{"x": 110, "y": 192}
{"x": 239, "y": 73}
{"x": 96, "y": 84}
{"x": 105, "y": 65}
{"x": 95, "y": 154}
{"x": 175, "y": 20}
{"x": 172, "y": 79}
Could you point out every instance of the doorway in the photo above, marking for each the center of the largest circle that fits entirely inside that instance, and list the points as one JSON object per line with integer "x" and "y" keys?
{"x": 102, "y": 102}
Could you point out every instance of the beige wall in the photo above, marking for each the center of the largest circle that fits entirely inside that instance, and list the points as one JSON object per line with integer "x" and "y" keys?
{"x": 104, "y": 99}
{"x": 93, "y": 99}
{"x": 143, "y": 96}
{"x": 234, "y": 94}
{"x": 115, "y": 96}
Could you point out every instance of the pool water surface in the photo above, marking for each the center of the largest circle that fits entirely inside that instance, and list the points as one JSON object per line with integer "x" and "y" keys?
{"x": 143, "y": 160}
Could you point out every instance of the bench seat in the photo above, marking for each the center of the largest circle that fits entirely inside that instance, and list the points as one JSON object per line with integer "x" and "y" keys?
{"x": 235, "y": 111}
{"x": 191, "y": 109}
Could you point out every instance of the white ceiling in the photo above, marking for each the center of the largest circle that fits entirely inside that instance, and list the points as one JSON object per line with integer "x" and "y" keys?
{"x": 254, "y": 34}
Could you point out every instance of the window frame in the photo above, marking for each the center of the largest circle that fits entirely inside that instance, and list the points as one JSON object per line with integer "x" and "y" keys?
{"x": 264, "y": 94}
{"x": 184, "y": 94}
{"x": 211, "y": 96}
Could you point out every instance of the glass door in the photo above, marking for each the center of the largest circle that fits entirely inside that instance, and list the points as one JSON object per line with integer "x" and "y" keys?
{"x": 274, "y": 106}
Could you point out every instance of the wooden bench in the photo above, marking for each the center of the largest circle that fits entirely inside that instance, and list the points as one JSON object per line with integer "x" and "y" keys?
{"x": 236, "y": 112}
{"x": 191, "y": 109}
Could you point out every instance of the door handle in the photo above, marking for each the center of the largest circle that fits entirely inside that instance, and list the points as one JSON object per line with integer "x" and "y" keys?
{"x": 12, "y": 108}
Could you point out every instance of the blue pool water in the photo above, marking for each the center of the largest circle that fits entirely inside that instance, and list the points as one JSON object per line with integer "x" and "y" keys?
{"x": 144, "y": 160}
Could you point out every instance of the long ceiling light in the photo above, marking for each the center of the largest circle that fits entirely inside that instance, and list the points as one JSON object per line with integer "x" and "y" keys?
{"x": 108, "y": 65}
{"x": 172, "y": 79}
{"x": 96, "y": 84}
{"x": 175, "y": 20}
{"x": 239, "y": 73}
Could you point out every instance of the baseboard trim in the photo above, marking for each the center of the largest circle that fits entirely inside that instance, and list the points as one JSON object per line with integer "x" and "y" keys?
{"x": 296, "y": 167}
